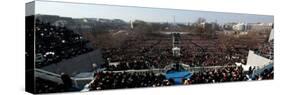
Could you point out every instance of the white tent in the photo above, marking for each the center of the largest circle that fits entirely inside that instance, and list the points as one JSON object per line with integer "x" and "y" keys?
{"x": 255, "y": 60}
{"x": 271, "y": 36}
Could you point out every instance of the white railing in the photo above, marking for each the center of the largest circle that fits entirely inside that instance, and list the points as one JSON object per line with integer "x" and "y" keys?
{"x": 48, "y": 75}
{"x": 77, "y": 82}
{"x": 158, "y": 70}
{"x": 142, "y": 70}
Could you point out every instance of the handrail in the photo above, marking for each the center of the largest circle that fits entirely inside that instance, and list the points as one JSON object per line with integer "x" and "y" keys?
{"x": 57, "y": 78}
{"x": 158, "y": 69}
{"x": 49, "y": 73}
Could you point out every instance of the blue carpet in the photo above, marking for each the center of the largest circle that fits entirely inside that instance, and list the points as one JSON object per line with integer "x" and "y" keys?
{"x": 178, "y": 76}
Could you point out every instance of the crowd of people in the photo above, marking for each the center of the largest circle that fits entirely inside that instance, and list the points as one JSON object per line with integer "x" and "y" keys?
{"x": 46, "y": 86}
{"x": 198, "y": 51}
{"x": 156, "y": 52}
{"x": 265, "y": 50}
{"x": 117, "y": 80}
{"x": 54, "y": 43}
{"x": 156, "y": 58}
{"x": 230, "y": 73}
{"x": 138, "y": 53}
{"x": 265, "y": 74}
{"x": 225, "y": 74}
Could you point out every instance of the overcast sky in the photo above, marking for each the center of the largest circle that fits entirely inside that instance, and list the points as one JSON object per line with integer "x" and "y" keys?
{"x": 77, "y": 10}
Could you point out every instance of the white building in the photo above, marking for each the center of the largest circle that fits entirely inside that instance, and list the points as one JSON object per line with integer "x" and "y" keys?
{"x": 261, "y": 26}
{"x": 239, "y": 27}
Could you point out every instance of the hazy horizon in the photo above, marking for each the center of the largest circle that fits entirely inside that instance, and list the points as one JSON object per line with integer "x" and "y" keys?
{"x": 78, "y": 10}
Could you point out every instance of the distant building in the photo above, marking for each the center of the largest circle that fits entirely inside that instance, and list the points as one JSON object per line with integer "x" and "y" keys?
{"x": 260, "y": 26}
{"x": 208, "y": 26}
{"x": 60, "y": 23}
{"x": 228, "y": 26}
{"x": 239, "y": 27}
